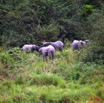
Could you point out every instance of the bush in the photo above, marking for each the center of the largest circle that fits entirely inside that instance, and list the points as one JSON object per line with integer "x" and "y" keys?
{"x": 94, "y": 53}
{"x": 86, "y": 10}
{"x": 47, "y": 79}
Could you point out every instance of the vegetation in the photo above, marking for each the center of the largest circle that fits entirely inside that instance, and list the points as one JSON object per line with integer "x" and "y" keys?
{"x": 27, "y": 78}
{"x": 73, "y": 76}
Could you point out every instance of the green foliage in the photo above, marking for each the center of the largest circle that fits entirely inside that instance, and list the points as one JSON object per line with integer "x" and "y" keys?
{"x": 9, "y": 57}
{"x": 89, "y": 7}
{"x": 94, "y": 52}
{"x": 33, "y": 21}
{"x": 86, "y": 10}
{"x": 73, "y": 76}
{"x": 47, "y": 79}
{"x": 47, "y": 31}
{"x": 20, "y": 80}
{"x": 5, "y": 58}
{"x": 65, "y": 79}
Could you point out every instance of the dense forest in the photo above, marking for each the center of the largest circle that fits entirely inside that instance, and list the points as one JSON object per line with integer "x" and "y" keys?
{"x": 73, "y": 76}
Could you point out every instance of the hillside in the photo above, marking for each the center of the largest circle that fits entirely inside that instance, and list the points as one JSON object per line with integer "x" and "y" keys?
{"x": 73, "y": 76}
{"x": 26, "y": 78}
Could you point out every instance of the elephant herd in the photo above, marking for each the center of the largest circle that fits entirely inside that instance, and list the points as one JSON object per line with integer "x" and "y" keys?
{"x": 49, "y": 48}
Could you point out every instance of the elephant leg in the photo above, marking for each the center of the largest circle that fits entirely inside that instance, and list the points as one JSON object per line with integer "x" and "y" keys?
{"x": 51, "y": 55}
{"x": 78, "y": 47}
{"x": 44, "y": 56}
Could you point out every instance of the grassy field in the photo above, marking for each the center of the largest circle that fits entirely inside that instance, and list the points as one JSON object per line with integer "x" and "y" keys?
{"x": 26, "y": 78}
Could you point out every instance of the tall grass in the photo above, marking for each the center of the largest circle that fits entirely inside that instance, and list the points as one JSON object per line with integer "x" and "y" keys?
{"x": 26, "y": 78}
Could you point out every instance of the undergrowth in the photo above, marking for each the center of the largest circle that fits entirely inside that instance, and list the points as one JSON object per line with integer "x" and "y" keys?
{"x": 26, "y": 78}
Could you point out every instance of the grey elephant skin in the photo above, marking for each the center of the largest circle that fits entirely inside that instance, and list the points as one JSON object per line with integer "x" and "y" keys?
{"x": 47, "y": 51}
{"x": 30, "y": 48}
{"x": 58, "y": 45}
{"x": 77, "y": 44}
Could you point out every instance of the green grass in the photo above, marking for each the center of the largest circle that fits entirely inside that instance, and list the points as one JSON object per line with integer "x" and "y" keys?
{"x": 26, "y": 78}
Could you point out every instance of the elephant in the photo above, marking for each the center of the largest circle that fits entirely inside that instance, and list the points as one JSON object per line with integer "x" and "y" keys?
{"x": 57, "y": 45}
{"x": 85, "y": 43}
{"x": 47, "y": 51}
{"x": 30, "y": 48}
{"x": 77, "y": 44}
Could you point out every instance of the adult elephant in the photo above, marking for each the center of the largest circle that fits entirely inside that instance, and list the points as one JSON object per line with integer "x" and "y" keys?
{"x": 30, "y": 48}
{"x": 77, "y": 44}
{"x": 47, "y": 51}
{"x": 57, "y": 45}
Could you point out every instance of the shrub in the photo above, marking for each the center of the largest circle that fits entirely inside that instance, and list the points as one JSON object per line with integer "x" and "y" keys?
{"x": 86, "y": 10}
{"x": 47, "y": 79}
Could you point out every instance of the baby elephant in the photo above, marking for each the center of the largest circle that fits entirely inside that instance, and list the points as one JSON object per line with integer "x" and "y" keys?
{"x": 30, "y": 48}
{"x": 77, "y": 44}
{"x": 57, "y": 45}
{"x": 47, "y": 51}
